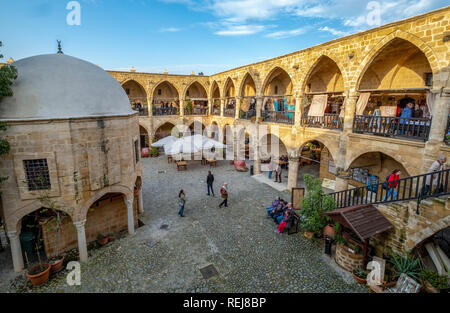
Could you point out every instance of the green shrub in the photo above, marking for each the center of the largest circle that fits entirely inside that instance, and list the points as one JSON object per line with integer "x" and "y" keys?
{"x": 406, "y": 265}
{"x": 436, "y": 280}
{"x": 314, "y": 204}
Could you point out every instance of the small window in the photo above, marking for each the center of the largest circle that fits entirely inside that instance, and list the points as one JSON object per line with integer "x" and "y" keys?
{"x": 37, "y": 173}
{"x": 429, "y": 79}
{"x": 127, "y": 91}
{"x": 187, "y": 93}
{"x": 276, "y": 90}
{"x": 136, "y": 150}
{"x": 159, "y": 92}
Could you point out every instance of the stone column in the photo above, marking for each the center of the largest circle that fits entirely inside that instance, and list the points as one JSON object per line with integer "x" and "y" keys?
{"x": 130, "y": 216}
{"x": 210, "y": 106}
{"x": 222, "y": 106}
{"x": 293, "y": 172}
{"x": 256, "y": 150}
{"x": 298, "y": 110}
{"x": 150, "y": 106}
{"x": 349, "y": 110}
{"x": 438, "y": 127}
{"x": 181, "y": 107}
{"x": 237, "y": 108}
{"x": 259, "y": 102}
{"x": 81, "y": 235}
{"x": 16, "y": 251}
{"x": 141, "y": 201}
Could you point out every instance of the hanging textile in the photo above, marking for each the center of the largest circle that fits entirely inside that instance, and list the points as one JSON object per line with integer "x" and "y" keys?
{"x": 275, "y": 105}
{"x": 318, "y": 105}
{"x": 362, "y": 103}
{"x": 431, "y": 98}
{"x": 264, "y": 104}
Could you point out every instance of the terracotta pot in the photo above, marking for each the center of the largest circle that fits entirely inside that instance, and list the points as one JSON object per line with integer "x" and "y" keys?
{"x": 57, "y": 265}
{"x": 40, "y": 278}
{"x": 428, "y": 288}
{"x": 359, "y": 280}
{"x": 103, "y": 241}
{"x": 328, "y": 231}
{"x": 308, "y": 234}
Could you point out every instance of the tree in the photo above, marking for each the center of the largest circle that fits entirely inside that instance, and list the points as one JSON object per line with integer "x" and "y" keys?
{"x": 8, "y": 74}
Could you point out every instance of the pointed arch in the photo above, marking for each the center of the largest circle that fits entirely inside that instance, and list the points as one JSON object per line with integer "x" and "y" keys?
{"x": 251, "y": 82}
{"x": 373, "y": 53}
{"x": 283, "y": 74}
{"x": 201, "y": 89}
{"x": 333, "y": 77}
{"x": 169, "y": 87}
{"x": 215, "y": 90}
{"x": 229, "y": 90}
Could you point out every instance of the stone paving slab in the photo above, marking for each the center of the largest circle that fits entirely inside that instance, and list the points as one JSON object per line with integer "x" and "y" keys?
{"x": 239, "y": 241}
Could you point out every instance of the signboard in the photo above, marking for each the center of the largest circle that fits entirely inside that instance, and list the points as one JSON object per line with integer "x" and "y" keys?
{"x": 297, "y": 196}
{"x": 359, "y": 174}
{"x": 331, "y": 167}
{"x": 388, "y": 110}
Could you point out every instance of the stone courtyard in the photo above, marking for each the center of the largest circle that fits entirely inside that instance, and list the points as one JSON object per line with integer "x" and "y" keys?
{"x": 239, "y": 241}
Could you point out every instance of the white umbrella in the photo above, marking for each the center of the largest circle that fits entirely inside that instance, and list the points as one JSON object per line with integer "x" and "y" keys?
{"x": 208, "y": 144}
{"x": 189, "y": 144}
{"x": 164, "y": 141}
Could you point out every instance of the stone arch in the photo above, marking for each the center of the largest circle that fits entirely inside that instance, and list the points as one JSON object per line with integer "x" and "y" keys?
{"x": 326, "y": 141}
{"x": 215, "y": 90}
{"x": 353, "y": 156}
{"x": 162, "y": 82}
{"x": 120, "y": 189}
{"x": 243, "y": 83}
{"x": 13, "y": 220}
{"x": 265, "y": 145}
{"x": 269, "y": 77}
{"x": 164, "y": 122}
{"x": 324, "y": 57}
{"x": 137, "y": 85}
{"x": 228, "y": 84}
{"x": 195, "y": 83}
{"x": 379, "y": 47}
{"x": 419, "y": 236}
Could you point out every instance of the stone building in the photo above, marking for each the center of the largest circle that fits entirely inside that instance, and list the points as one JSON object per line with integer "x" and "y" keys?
{"x": 348, "y": 78}
{"x": 75, "y": 142}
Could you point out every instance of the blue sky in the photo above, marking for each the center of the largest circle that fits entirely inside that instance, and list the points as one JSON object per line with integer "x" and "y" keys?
{"x": 189, "y": 35}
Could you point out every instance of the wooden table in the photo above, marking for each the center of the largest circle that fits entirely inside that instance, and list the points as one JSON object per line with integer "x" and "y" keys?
{"x": 212, "y": 163}
{"x": 181, "y": 165}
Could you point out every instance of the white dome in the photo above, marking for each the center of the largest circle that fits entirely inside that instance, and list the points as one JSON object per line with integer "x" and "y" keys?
{"x": 58, "y": 86}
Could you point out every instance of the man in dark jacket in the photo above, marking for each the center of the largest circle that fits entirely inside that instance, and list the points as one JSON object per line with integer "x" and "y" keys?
{"x": 209, "y": 182}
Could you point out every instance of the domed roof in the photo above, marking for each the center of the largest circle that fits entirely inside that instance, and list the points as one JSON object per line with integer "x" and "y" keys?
{"x": 58, "y": 86}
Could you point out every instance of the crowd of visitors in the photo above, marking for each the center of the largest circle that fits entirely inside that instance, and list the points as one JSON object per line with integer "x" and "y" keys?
{"x": 282, "y": 213}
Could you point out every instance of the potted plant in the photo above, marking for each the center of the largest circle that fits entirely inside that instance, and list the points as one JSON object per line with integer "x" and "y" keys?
{"x": 38, "y": 274}
{"x": 401, "y": 265}
{"x": 313, "y": 205}
{"x": 359, "y": 275}
{"x": 329, "y": 230}
{"x": 432, "y": 282}
{"x": 101, "y": 239}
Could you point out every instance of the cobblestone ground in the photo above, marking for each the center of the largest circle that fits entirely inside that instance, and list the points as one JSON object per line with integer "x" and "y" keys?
{"x": 239, "y": 241}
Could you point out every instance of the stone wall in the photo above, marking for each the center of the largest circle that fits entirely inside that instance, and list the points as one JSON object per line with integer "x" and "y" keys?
{"x": 346, "y": 259}
{"x": 107, "y": 217}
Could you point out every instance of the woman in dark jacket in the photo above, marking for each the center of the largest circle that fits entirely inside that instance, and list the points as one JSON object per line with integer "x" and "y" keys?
{"x": 181, "y": 202}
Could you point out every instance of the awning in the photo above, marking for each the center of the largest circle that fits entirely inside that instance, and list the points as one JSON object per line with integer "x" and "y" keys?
{"x": 365, "y": 220}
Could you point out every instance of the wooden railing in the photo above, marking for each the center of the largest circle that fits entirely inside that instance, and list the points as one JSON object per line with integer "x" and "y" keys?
{"x": 409, "y": 128}
{"x": 328, "y": 121}
{"x": 247, "y": 115}
{"x": 229, "y": 112}
{"x": 278, "y": 117}
{"x": 410, "y": 188}
{"x": 165, "y": 111}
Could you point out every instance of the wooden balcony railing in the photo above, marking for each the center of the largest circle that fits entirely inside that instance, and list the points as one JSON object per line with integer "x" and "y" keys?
{"x": 328, "y": 121}
{"x": 278, "y": 117}
{"x": 409, "y": 128}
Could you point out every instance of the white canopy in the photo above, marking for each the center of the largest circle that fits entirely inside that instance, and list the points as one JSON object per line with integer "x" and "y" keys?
{"x": 192, "y": 144}
{"x": 164, "y": 141}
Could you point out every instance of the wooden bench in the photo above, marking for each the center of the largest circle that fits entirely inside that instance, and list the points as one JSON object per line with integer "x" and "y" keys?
{"x": 181, "y": 165}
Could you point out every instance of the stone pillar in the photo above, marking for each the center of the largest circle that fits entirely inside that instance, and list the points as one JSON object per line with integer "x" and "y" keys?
{"x": 130, "y": 216}
{"x": 150, "y": 106}
{"x": 298, "y": 110}
{"x": 293, "y": 172}
{"x": 181, "y": 107}
{"x": 349, "y": 110}
{"x": 16, "y": 251}
{"x": 237, "y": 109}
{"x": 210, "y": 106}
{"x": 81, "y": 235}
{"x": 438, "y": 127}
{"x": 141, "y": 201}
{"x": 222, "y": 106}
{"x": 259, "y": 102}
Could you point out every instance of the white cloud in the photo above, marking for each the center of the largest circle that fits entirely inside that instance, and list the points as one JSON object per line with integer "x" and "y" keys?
{"x": 239, "y": 30}
{"x": 333, "y": 31}
{"x": 286, "y": 33}
{"x": 169, "y": 30}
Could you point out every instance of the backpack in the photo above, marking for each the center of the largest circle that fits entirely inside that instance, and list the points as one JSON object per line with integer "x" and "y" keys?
{"x": 385, "y": 184}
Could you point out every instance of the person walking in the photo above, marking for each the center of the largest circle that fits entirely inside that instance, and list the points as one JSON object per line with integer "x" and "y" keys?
{"x": 209, "y": 182}
{"x": 278, "y": 172}
{"x": 436, "y": 166}
{"x": 392, "y": 183}
{"x": 270, "y": 166}
{"x": 181, "y": 202}
{"x": 224, "y": 195}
